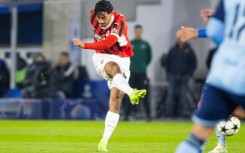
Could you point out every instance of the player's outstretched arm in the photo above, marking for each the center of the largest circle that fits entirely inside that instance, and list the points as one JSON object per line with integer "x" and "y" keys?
{"x": 105, "y": 44}
{"x": 188, "y": 33}
{"x": 216, "y": 25}
{"x": 78, "y": 42}
{"x": 215, "y": 30}
{"x": 206, "y": 14}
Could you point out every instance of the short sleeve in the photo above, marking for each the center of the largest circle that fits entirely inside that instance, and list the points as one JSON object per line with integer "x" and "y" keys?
{"x": 220, "y": 13}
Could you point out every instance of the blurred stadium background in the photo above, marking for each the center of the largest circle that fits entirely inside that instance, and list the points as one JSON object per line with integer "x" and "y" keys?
{"x": 49, "y": 78}
{"x": 47, "y": 27}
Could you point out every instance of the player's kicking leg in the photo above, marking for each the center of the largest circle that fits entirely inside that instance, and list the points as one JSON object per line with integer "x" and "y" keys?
{"x": 119, "y": 81}
{"x": 195, "y": 142}
{"x": 207, "y": 116}
{"x": 120, "y": 86}
{"x": 221, "y": 147}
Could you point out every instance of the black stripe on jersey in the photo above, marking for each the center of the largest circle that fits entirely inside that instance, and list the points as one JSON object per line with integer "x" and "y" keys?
{"x": 103, "y": 51}
{"x": 101, "y": 32}
{"x": 112, "y": 48}
{"x": 115, "y": 25}
{"x": 93, "y": 17}
{"x": 107, "y": 51}
{"x": 119, "y": 48}
{"x": 121, "y": 29}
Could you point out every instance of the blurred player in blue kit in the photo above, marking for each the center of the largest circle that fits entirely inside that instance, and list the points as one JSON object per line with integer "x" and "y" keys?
{"x": 224, "y": 90}
{"x": 189, "y": 33}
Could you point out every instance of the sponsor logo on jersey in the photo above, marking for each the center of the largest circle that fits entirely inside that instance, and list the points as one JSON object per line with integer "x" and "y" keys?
{"x": 114, "y": 30}
{"x": 107, "y": 33}
{"x": 124, "y": 75}
{"x": 98, "y": 37}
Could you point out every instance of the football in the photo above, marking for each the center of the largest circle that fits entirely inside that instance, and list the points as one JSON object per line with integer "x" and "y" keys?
{"x": 230, "y": 127}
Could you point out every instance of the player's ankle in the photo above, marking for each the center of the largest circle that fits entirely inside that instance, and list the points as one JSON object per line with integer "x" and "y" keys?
{"x": 105, "y": 140}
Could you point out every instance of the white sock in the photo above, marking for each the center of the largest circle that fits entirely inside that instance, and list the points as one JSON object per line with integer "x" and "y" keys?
{"x": 110, "y": 124}
{"x": 121, "y": 83}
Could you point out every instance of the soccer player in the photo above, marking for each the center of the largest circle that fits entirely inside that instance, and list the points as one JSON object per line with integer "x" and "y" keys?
{"x": 225, "y": 85}
{"x": 112, "y": 61}
{"x": 188, "y": 33}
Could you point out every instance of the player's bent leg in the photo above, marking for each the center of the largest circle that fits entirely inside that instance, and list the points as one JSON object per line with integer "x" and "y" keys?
{"x": 239, "y": 112}
{"x": 221, "y": 147}
{"x": 221, "y": 138}
{"x": 202, "y": 132}
{"x": 112, "y": 117}
{"x": 136, "y": 95}
{"x": 195, "y": 142}
{"x": 112, "y": 69}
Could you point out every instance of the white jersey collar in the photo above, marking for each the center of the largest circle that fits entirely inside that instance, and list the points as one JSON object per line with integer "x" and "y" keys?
{"x": 112, "y": 19}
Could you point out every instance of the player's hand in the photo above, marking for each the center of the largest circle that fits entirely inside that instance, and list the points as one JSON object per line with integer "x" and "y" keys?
{"x": 186, "y": 34}
{"x": 206, "y": 14}
{"x": 78, "y": 42}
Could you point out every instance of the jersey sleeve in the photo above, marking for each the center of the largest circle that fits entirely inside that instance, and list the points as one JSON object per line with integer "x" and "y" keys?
{"x": 119, "y": 30}
{"x": 216, "y": 25}
{"x": 220, "y": 13}
{"x": 101, "y": 45}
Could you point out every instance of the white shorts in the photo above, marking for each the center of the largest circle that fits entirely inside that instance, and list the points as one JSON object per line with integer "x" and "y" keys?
{"x": 100, "y": 61}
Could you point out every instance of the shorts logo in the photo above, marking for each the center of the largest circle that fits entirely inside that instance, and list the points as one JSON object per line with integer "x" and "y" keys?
{"x": 124, "y": 75}
{"x": 114, "y": 30}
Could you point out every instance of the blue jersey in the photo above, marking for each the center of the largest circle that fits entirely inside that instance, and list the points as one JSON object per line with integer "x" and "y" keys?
{"x": 227, "y": 28}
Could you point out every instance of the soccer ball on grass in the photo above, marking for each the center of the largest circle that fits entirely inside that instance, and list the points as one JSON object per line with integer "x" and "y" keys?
{"x": 230, "y": 127}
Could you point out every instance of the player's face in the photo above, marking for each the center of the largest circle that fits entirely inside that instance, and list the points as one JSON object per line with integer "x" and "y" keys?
{"x": 138, "y": 33}
{"x": 104, "y": 18}
{"x": 64, "y": 60}
{"x": 39, "y": 59}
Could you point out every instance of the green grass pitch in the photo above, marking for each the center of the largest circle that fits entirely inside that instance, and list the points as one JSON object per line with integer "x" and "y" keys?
{"x": 83, "y": 137}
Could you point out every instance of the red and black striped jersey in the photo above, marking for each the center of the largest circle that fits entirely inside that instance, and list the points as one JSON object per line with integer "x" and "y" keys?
{"x": 117, "y": 27}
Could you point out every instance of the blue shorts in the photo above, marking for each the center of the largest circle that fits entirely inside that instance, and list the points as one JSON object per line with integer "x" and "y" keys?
{"x": 216, "y": 105}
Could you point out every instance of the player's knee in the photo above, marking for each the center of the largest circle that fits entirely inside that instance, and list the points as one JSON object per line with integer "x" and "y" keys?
{"x": 115, "y": 70}
{"x": 202, "y": 132}
{"x": 112, "y": 69}
{"x": 239, "y": 112}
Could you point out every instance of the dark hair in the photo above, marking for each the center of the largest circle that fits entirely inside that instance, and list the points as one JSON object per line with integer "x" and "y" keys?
{"x": 64, "y": 54}
{"x": 21, "y": 63}
{"x": 138, "y": 26}
{"x": 39, "y": 55}
{"x": 103, "y": 6}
